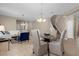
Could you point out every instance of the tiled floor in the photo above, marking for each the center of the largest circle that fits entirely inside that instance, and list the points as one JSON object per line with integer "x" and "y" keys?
{"x": 71, "y": 48}
{"x": 16, "y": 49}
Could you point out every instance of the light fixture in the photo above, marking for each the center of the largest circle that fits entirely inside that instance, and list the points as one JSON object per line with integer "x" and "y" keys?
{"x": 44, "y": 20}
{"x": 23, "y": 24}
{"x": 41, "y": 19}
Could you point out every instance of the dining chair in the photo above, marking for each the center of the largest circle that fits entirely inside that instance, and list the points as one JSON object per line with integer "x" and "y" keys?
{"x": 23, "y": 36}
{"x": 39, "y": 47}
{"x": 56, "y": 47}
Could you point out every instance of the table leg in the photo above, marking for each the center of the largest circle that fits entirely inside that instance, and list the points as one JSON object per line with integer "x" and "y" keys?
{"x": 8, "y": 44}
{"x": 48, "y": 48}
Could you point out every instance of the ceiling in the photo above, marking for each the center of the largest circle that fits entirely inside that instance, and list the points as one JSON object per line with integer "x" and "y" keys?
{"x": 32, "y": 11}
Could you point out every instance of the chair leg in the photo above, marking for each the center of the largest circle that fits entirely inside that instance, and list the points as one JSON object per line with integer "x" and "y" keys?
{"x": 62, "y": 53}
{"x": 8, "y": 45}
{"x": 33, "y": 52}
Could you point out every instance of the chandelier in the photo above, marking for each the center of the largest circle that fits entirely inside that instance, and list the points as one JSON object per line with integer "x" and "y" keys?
{"x": 41, "y": 19}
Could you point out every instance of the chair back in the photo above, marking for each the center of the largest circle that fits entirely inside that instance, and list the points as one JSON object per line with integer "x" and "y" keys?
{"x": 61, "y": 39}
{"x": 35, "y": 38}
{"x": 62, "y": 35}
{"x": 24, "y": 36}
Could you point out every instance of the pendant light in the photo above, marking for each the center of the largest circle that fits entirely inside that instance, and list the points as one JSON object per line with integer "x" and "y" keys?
{"x": 41, "y": 19}
{"x": 23, "y": 23}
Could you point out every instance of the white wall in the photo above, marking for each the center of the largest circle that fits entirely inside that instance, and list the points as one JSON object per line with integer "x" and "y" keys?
{"x": 8, "y": 22}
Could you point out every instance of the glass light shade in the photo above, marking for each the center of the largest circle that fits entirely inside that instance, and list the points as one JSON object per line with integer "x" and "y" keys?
{"x": 44, "y": 20}
{"x": 41, "y": 20}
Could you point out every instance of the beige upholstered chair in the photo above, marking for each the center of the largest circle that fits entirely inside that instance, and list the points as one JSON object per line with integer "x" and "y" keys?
{"x": 39, "y": 47}
{"x": 56, "y": 47}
